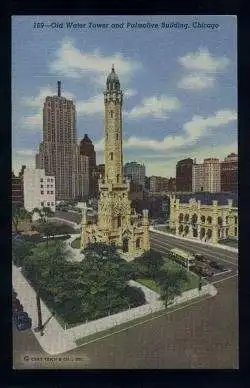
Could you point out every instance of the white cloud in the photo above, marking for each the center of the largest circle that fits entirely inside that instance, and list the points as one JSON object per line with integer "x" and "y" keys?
{"x": 193, "y": 130}
{"x": 34, "y": 121}
{"x": 196, "y": 82}
{"x": 203, "y": 61}
{"x": 157, "y": 107}
{"x": 71, "y": 62}
{"x": 202, "y": 68}
{"x": 39, "y": 99}
{"x": 25, "y": 152}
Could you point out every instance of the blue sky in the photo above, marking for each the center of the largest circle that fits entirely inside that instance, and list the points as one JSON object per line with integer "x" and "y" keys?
{"x": 180, "y": 86}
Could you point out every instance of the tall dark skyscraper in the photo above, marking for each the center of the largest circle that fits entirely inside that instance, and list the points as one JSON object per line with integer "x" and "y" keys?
{"x": 87, "y": 149}
{"x": 184, "y": 175}
{"x": 229, "y": 173}
{"x": 59, "y": 143}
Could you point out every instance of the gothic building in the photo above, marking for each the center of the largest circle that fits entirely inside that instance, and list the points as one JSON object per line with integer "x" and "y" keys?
{"x": 117, "y": 223}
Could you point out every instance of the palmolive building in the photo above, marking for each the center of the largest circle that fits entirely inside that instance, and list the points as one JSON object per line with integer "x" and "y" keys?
{"x": 59, "y": 152}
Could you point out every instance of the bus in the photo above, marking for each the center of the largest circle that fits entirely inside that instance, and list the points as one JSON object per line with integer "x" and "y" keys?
{"x": 184, "y": 258}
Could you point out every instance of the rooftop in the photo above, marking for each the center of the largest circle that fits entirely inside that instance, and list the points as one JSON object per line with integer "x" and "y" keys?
{"x": 208, "y": 198}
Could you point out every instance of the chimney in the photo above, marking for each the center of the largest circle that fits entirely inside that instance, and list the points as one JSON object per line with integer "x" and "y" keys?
{"x": 59, "y": 88}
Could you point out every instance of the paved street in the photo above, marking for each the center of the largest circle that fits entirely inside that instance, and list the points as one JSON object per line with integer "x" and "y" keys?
{"x": 201, "y": 335}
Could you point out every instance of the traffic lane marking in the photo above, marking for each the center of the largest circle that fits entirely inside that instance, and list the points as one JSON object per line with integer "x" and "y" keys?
{"x": 203, "y": 251}
{"x": 196, "y": 245}
{"x": 222, "y": 280}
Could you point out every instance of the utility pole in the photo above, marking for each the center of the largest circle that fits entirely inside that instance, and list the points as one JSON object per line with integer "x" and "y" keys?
{"x": 39, "y": 313}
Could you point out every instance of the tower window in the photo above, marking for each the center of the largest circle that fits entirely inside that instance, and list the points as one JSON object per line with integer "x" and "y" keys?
{"x": 117, "y": 136}
{"x": 119, "y": 221}
{"x": 111, "y": 114}
{"x": 111, "y": 156}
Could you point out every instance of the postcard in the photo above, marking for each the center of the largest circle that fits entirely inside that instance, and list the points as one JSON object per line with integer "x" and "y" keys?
{"x": 124, "y": 192}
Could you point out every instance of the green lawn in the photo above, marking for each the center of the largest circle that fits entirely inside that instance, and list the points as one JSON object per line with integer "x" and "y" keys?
{"x": 149, "y": 283}
{"x": 76, "y": 243}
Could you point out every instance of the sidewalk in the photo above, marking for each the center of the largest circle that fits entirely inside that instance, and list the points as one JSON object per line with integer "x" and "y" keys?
{"x": 78, "y": 256}
{"x": 55, "y": 339}
{"x": 224, "y": 247}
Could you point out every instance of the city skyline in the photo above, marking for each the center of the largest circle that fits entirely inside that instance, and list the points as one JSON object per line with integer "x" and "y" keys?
{"x": 172, "y": 108}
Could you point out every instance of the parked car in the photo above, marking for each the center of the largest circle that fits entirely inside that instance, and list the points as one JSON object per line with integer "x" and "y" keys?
{"x": 17, "y": 314}
{"x": 23, "y": 323}
{"x": 202, "y": 269}
{"x": 216, "y": 265}
{"x": 201, "y": 258}
{"x": 16, "y": 305}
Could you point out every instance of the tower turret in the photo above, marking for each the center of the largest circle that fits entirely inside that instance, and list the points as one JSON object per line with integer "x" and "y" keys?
{"x": 113, "y": 97}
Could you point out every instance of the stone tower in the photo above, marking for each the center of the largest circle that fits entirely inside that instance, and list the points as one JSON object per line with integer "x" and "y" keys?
{"x": 116, "y": 223}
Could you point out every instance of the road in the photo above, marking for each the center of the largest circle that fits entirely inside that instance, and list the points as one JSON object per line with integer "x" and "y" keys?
{"x": 203, "y": 334}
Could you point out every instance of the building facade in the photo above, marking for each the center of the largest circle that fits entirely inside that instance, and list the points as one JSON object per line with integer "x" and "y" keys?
{"x": 39, "y": 190}
{"x": 135, "y": 172}
{"x": 206, "y": 176}
{"x": 198, "y": 177}
{"x": 229, "y": 173}
{"x": 59, "y": 140}
{"x": 117, "y": 223}
{"x": 184, "y": 170}
{"x": 158, "y": 184}
{"x": 17, "y": 190}
{"x": 81, "y": 184}
{"x": 207, "y": 218}
{"x": 212, "y": 175}
{"x": 87, "y": 149}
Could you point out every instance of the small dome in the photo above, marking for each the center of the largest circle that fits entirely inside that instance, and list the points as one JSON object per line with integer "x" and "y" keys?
{"x": 113, "y": 80}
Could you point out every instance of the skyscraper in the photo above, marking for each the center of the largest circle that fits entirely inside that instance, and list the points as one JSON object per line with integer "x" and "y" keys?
{"x": 59, "y": 140}
{"x": 136, "y": 172}
{"x": 229, "y": 173}
{"x": 87, "y": 149}
{"x": 212, "y": 175}
{"x": 206, "y": 176}
{"x": 184, "y": 175}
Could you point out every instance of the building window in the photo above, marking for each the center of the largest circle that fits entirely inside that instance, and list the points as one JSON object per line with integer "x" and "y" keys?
{"x": 42, "y": 203}
{"x": 48, "y": 203}
{"x": 235, "y": 231}
{"x": 117, "y": 136}
{"x": 47, "y": 192}
{"x": 52, "y": 203}
{"x": 111, "y": 114}
{"x": 52, "y": 192}
{"x": 235, "y": 220}
{"x": 138, "y": 243}
{"x": 111, "y": 156}
{"x": 41, "y": 186}
{"x": 41, "y": 180}
{"x": 42, "y": 192}
{"x": 119, "y": 221}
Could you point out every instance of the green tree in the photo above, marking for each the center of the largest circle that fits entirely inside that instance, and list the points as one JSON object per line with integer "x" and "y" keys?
{"x": 170, "y": 282}
{"x": 21, "y": 248}
{"x": 19, "y": 214}
{"x": 149, "y": 264}
{"x": 44, "y": 213}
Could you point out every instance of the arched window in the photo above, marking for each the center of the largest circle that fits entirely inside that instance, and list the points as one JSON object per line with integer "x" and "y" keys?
{"x": 117, "y": 178}
{"x": 111, "y": 114}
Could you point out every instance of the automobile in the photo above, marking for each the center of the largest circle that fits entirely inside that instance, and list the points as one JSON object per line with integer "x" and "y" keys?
{"x": 23, "y": 323}
{"x": 201, "y": 258}
{"x": 216, "y": 265}
{"x": 16, "y": 305}
{"x": 17, "y": 314}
